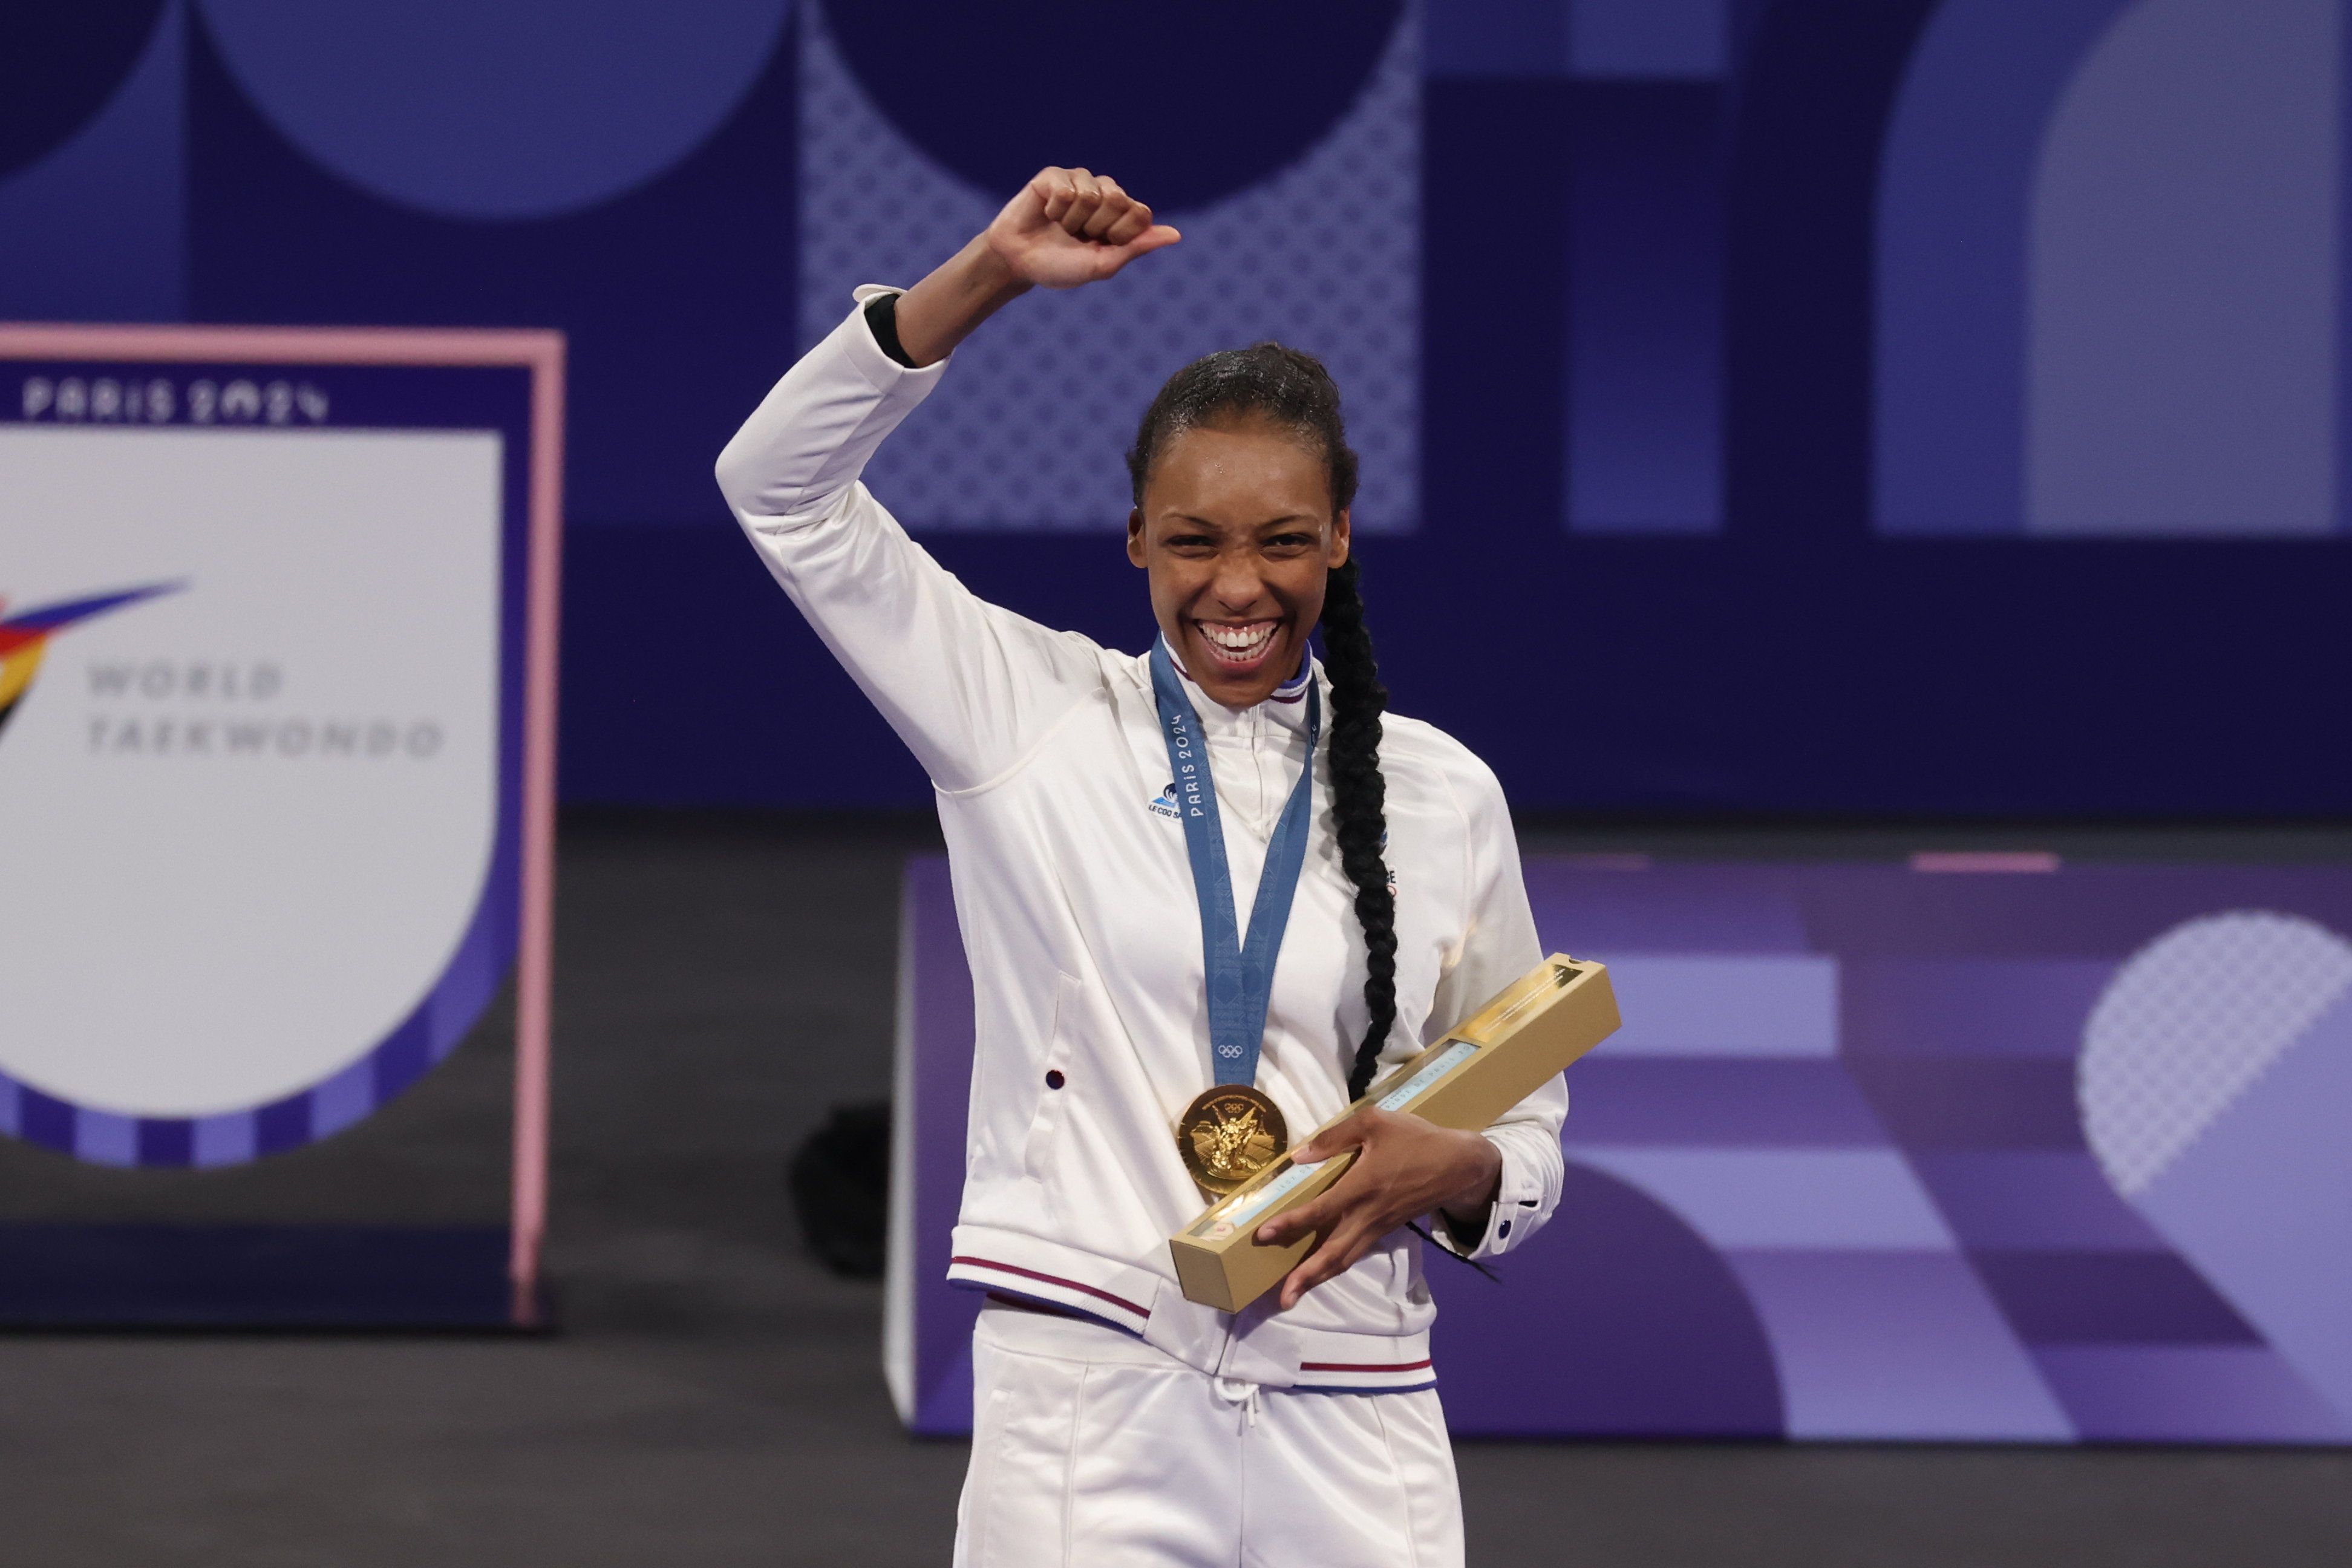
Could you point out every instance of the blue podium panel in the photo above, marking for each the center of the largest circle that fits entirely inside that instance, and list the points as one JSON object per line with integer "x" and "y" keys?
{"x": 1975, "y": 1149}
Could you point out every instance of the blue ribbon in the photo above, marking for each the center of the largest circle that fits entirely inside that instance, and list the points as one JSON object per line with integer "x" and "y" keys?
{"x": 1240, "y": 971}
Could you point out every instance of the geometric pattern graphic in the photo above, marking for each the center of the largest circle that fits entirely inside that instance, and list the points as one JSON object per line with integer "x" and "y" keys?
{"x": 1322, "y": 255}
{"x": 520, "y": 109}
{"x": 1831, "y": 1180}
{"x": 1901, "y": 1182}
{"x": 2189, "y": 1025}
{"x": 2109, "y": 285}
{"x": 2255, "y": 1202}
{"x": 1646, "y": 85}
{"x": 93, "y": 224}
{"x": 1772, "y": 273}
{"x": 2183, "y": 280}
{"x": 1754, "y": 1131}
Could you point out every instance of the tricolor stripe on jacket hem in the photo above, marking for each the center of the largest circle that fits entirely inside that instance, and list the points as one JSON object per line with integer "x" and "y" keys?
{"x": 968, "y": 1272}
{"x": 1032, "y": 1285}
{"x": 1364, "y": 1377}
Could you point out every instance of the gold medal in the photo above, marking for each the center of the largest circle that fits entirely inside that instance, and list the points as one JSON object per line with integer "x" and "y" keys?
{"x": 1229, "y": 1135}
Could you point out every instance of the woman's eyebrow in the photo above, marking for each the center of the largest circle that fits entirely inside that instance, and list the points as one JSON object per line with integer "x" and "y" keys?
{"x": 1287, "y": 519}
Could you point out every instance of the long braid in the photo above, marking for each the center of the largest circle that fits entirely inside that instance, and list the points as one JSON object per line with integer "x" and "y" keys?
{"x": 1359, "y": 818}
{"x": 1293, "y": 391}
{"x": 1358, "y": 805}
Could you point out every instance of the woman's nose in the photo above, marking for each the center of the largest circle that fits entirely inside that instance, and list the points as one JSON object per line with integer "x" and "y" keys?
{"x": 1238, "y": 587}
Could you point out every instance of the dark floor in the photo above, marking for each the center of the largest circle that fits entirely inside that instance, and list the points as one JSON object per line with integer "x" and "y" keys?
{"x": 717, "y": 1399}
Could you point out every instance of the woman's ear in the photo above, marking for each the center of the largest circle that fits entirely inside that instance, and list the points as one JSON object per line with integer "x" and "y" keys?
{"x": 1135, "y": 536}
{"x": 1338, "y": 554}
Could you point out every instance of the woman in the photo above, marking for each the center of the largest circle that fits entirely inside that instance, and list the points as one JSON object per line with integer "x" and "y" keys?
{"x": 1106, "y": 817}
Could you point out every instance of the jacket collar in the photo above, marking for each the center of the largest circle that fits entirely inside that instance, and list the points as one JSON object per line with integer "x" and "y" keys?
{"x": 1287, "y": 707}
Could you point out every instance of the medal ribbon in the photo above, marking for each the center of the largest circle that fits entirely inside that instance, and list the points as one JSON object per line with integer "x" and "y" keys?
{"x": 1240, "y": 970}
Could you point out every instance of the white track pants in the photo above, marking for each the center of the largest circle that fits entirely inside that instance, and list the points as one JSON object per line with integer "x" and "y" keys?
{"x": 1096, "y": 1451}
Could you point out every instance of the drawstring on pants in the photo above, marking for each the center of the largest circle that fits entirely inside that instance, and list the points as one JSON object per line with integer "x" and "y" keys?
{"x": 1236, "y": 1391}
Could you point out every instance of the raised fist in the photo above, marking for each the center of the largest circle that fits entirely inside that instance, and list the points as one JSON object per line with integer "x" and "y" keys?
{"x": 1068, "y": 227}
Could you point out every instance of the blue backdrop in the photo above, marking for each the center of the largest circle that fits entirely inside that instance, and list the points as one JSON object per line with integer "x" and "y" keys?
{"x": 1768, "y": 405}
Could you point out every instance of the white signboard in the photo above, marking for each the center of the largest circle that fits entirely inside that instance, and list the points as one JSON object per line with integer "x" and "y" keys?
{"x": 249, "y": 815}
{"x": 277, "y": 617}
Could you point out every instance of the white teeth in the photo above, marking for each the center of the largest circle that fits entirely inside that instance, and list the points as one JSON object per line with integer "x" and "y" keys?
{"x": 1239, "y": 643}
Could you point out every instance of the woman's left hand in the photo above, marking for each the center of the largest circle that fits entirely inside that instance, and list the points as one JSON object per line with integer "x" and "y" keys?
{"x": 1405, "y": 1168}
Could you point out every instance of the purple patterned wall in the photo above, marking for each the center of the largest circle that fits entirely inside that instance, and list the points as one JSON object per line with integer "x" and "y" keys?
{"x": 1322, "y": 255}
{"x": 1669, "y": 327}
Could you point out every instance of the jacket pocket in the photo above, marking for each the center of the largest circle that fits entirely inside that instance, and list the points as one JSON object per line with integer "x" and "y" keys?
{"x": 1052, "y": 1086}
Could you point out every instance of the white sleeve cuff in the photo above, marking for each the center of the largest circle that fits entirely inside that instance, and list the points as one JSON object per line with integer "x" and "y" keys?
{"x": 1515, "y": 1213}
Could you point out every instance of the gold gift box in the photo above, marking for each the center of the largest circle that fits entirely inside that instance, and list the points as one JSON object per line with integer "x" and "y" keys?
{"x": 1538, "y": 1025}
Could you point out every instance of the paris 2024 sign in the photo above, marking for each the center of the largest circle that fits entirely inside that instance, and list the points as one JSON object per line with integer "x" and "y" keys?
{"x": 276, "y": 643}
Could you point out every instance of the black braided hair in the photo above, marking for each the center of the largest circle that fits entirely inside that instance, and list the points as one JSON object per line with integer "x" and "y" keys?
{"x": 1359, "y": 804}
{"x": 1292, "y": 392}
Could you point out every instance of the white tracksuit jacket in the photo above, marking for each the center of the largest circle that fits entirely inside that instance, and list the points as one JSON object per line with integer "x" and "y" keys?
{"x": 1076, "y": 903}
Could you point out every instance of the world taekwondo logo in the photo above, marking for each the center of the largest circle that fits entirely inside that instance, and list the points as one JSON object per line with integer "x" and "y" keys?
{"x": 25, "y": 636}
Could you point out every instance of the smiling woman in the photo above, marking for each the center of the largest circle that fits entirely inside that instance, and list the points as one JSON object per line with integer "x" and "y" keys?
{"x": 1242, "y": 481}
{"x": 1099, "y": 807}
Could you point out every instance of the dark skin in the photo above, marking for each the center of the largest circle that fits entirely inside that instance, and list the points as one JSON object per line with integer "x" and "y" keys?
{"x": 1237, "y": 533}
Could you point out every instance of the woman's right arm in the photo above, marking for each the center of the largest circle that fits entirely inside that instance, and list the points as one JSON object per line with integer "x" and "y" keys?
{"x": 966, "y": 685}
